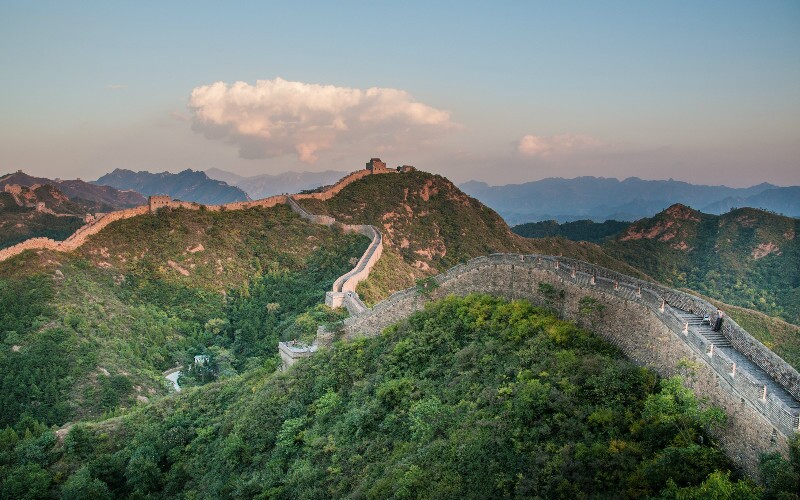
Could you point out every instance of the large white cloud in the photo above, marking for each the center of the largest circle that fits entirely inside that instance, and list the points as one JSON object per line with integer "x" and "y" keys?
{"x": 537, "y": 145}
{"x": 277, "y": 117}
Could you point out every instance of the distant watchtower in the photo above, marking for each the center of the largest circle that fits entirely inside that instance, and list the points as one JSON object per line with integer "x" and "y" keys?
{"x": 376, "y": 166}
{"x": 157, "y": 202}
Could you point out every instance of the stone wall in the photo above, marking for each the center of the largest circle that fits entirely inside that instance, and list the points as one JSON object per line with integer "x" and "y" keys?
{"x": 344, "y": 288}
{"x": 303, "y": 213}
{"x": 77, "y": 238}
{"x": 349, "y": 281}
{"x": 344, "y": 182}
{"x": 155, "y": 202}
{"x": 632, "y": 319}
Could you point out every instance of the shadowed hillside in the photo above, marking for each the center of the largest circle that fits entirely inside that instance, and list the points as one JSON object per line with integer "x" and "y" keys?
{"x": 41, "y": 211}
{"x": 581, "y": 230}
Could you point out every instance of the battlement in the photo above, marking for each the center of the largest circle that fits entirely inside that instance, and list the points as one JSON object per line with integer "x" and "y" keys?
{"x": 375, "y": 165}
{"x": 156, "y": 202}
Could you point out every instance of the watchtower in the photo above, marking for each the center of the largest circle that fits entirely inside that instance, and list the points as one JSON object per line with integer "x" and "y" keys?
{"x": 157, "y": 202}
{"x": 375, "y": 166}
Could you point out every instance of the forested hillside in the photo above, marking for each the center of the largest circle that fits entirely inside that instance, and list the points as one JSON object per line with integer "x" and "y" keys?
{"x": 747, "y": 257}
{"x": 474, "y": 397}
{"x": 88, "y": 332}
{"x": 580, "y": 230}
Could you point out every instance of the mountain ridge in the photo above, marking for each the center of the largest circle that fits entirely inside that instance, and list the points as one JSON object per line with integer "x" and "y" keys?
{"x": 152, "y": 267}
{"x": 602, "y": 198}
{"x": 187, "y": 185}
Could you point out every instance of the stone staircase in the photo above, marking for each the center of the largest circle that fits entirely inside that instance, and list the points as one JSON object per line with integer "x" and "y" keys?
{"x": 722, "y": 344}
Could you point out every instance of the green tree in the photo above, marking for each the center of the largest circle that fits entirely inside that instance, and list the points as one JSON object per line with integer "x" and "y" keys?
{"x": 81, "y": 485}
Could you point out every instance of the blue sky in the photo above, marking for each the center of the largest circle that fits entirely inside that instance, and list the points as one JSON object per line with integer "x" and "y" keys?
{"x": 495, "y": 91}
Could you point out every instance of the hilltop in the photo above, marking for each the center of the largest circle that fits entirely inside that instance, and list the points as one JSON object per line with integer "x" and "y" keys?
{"x": 188, "y": 185}
{"x": 428, "y": 225}
{"x": 747, "y": 257}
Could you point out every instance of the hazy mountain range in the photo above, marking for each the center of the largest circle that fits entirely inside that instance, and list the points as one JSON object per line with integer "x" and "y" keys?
{"x": 264, "y": 185}
{"x": 189, "y": 185}
{"x": 600, "y": 198}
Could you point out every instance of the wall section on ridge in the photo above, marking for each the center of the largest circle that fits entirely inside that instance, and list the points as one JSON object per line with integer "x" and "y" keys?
{"x": 79, "y": 237}
{"x": 631, "y": 319}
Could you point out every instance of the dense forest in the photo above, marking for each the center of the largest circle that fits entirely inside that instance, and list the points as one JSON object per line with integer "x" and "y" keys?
{"x": 474, "y": 397}
{"x": 580, "y": 230}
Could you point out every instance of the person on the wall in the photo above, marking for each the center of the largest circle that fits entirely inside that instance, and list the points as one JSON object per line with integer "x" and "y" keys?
{"x": 718, "y": 322}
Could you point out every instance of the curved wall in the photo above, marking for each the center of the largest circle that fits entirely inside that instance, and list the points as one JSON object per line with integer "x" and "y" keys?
{"x": 633, "y": 320}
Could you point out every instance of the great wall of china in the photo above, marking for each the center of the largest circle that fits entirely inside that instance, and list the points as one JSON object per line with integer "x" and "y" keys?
{"x": 652, "y": 324}
{"x": 80, "y": 236}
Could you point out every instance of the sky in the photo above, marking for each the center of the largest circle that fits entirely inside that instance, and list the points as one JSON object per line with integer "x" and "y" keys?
{"x": 501, "y": 92}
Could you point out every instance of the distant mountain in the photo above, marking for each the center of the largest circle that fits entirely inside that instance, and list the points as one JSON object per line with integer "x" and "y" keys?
{"x": 264, "y": 185}
{"x": 92, "y": 197}
{"x": 746, "y": 257}
{"x": 188, "y": 185}
{"x": 597, "y": 198}
{"x": 224, "y": 176}
{"x": 785, "y": 200}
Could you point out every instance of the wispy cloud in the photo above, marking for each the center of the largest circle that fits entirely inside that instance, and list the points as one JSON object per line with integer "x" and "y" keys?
{"x": 117, "y": 86}
{"x": 542, "y": 146}
{"x": 277, "y": 117}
